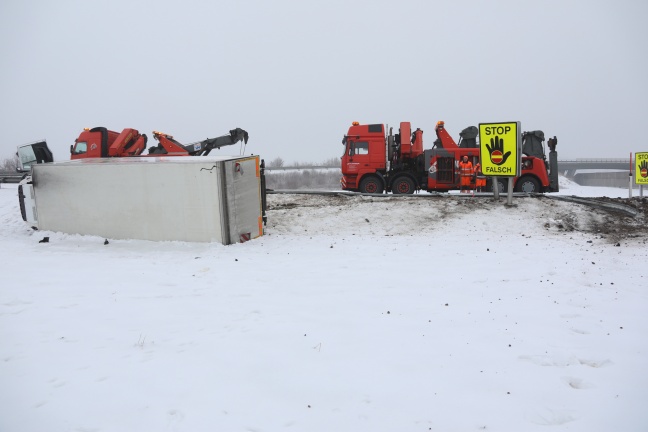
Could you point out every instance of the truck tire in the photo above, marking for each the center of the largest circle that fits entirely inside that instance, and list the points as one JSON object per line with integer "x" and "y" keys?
{"x": 402, "y": 185}
{"x": 502, "y": 184}
{"x": 371, "y": 184}
{"x": 527, "y": 184}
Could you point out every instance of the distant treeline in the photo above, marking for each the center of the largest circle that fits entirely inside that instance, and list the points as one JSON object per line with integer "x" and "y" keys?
{"x": 333, "y": 162}
{"x": 327, "y": 179}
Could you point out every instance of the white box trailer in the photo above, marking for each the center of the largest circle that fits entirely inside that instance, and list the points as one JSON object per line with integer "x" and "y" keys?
{"x": 166, "y": 198}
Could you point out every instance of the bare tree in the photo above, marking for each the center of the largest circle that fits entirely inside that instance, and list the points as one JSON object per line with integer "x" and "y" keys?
{"x": 276, "y": 163}
{"x": 333, "y": 162}
{"x": 9, "y": 164}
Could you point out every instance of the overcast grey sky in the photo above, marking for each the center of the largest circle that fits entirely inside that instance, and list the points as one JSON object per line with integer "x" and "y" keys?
{"x": 295, "y": 74}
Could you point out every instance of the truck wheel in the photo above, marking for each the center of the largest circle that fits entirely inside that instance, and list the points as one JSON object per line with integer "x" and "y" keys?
{"x": 502, "y": 184}
{"x": 402, "y": 185}
{"x": 527, "y": 184}
{"x": 371, "y": 184}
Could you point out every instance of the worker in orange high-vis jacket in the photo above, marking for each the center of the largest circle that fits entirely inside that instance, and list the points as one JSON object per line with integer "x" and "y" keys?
{"x": 465, "y": 174}
{"x": 480, "y": 178}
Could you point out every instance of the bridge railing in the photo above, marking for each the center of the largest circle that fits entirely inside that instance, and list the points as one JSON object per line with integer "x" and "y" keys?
{"x": 608, "y": 160}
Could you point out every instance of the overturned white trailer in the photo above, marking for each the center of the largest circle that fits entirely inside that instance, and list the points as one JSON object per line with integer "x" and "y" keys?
{"x": 166, "y": 198}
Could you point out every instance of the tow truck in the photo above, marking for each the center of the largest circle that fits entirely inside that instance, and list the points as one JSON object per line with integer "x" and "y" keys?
{"x": 377, "y": 160}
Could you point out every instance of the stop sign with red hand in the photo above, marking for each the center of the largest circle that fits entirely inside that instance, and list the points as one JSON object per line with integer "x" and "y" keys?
{"x": 496, "y": 151}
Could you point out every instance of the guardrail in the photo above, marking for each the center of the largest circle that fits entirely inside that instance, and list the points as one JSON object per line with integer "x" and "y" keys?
{"x": 615, "y": 161}
{"x": 309, "y": 167}
{"x": 10, "y": 177}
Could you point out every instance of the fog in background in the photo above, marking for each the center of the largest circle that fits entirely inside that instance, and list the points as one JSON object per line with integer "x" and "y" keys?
{"x": 295, "y": 74}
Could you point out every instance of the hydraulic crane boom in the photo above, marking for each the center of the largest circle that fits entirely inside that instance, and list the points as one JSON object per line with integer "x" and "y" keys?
{"x": 169, "y": 146}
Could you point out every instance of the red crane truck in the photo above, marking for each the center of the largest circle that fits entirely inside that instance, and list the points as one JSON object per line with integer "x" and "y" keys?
{"x": 101, "y": 142}
{"x": 375, "y": 161}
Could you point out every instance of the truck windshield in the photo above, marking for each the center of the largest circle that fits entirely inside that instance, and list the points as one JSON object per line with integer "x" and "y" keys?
{"x": 80, "y": 147}
{"x": 26, "y": 156}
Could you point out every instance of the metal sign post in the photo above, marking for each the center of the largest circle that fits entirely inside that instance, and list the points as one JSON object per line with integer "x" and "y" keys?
{"x": 495, "y": 184}
{"x": 630, "y": 178}
{"x": 641, "y": 170}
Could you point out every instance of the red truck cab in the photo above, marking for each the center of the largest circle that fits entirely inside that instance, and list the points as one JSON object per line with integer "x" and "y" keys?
{"x": 365, "y": 158}
{"x": 100, "y": 142}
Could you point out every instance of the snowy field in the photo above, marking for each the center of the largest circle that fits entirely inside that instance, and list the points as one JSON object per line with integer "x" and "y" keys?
{"x": 350, "y": 314}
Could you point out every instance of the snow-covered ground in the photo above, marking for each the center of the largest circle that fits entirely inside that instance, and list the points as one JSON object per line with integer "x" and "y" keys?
{"x": 350, "y": 314}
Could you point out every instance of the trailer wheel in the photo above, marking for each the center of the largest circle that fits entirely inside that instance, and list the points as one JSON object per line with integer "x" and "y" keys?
{"x": 371, "y": 184}
{"x": 527, "y": 184}
{"x": 402, "y": 185}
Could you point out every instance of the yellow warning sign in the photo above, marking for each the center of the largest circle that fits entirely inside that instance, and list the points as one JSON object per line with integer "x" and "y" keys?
{"x": 641, "y": 168}
{"x": 500, "y": 148}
